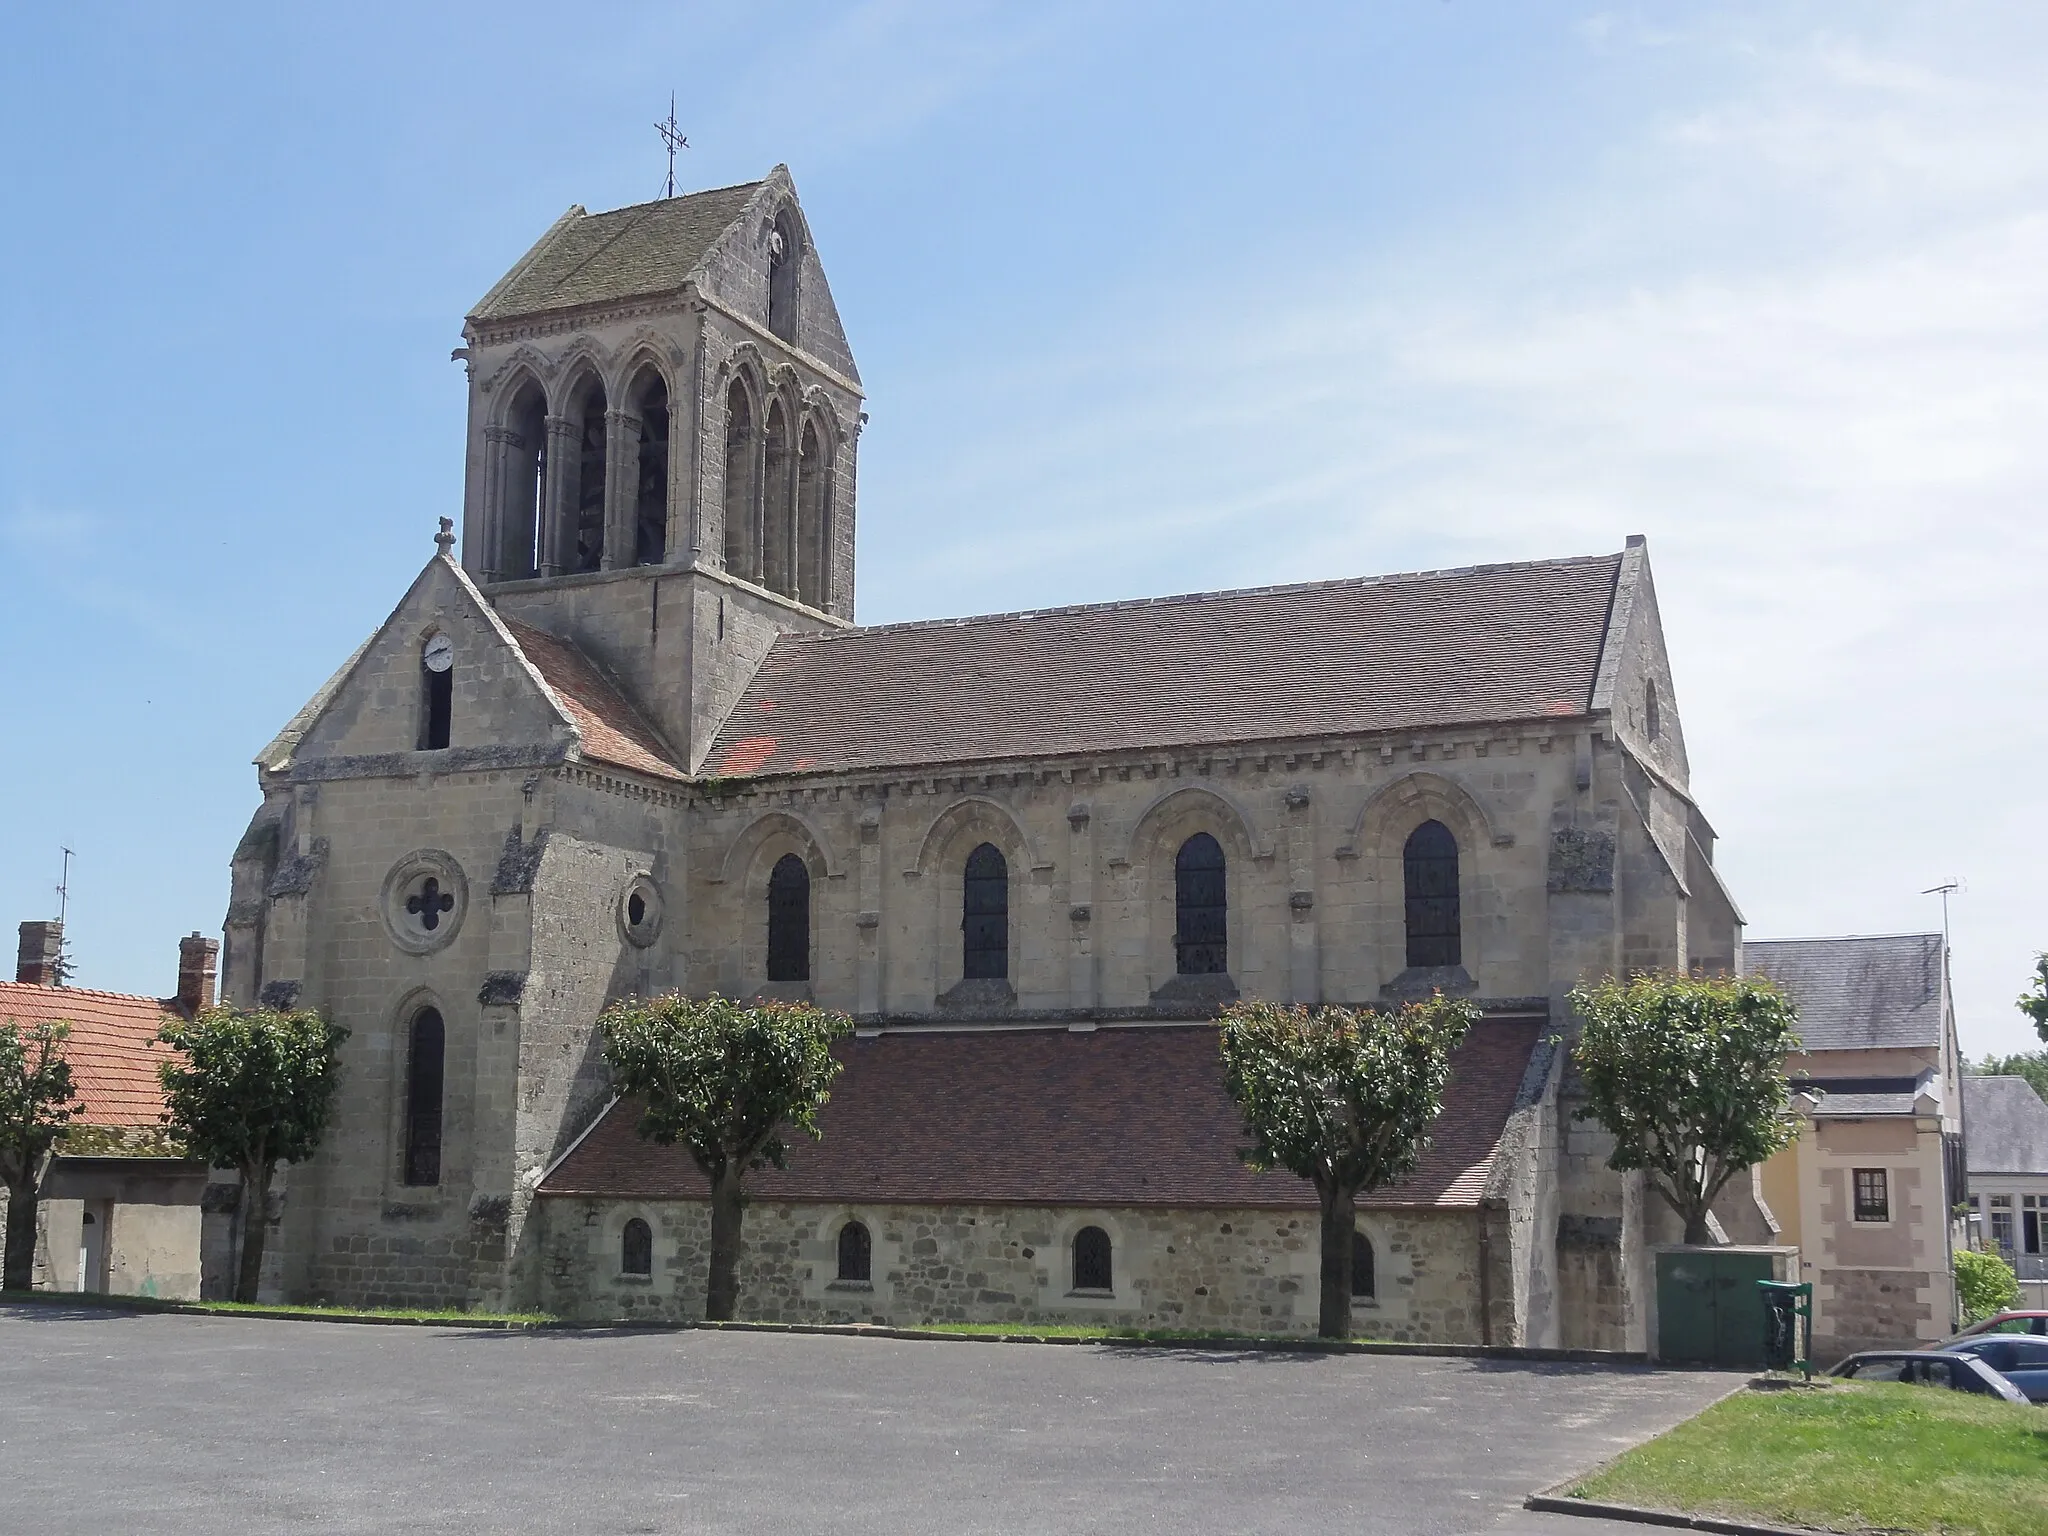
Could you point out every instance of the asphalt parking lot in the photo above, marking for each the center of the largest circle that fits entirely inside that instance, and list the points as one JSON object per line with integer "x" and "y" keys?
{"x": 153, "y": 1423}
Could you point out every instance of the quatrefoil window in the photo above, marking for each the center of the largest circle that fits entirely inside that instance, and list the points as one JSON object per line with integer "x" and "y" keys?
{"x": 425, "y": 896}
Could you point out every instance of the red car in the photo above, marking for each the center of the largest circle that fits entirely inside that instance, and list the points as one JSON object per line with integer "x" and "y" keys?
{"x": 2002, "y": 1322}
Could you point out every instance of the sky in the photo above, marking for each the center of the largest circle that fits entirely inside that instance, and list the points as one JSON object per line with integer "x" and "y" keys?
{"x": 1148, "y": 298}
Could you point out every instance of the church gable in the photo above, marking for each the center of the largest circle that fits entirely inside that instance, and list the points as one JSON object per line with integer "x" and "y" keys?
{"x": 765, "y": 266}
{"x": 1635, "y": 686}
{"x": 441, "y": 673}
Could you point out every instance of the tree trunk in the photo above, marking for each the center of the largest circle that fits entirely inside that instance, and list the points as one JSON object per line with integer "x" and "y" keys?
{"x": 255, "y": 1227}
{"x": 1697, "y": 1233}
{"x": 722, "y": 1294}
{"x": 18, "y": 1269}
{"x": 1340, "y": 1224}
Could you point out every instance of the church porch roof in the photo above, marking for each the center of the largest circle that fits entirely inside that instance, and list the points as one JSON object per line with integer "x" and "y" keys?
{"x": 1114, "y": 1117}
{"x": 612, "y": 730}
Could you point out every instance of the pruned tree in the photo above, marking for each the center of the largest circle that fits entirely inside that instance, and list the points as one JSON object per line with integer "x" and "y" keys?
{"x": 1687, "y": 1074}
{"x": 1343, "y": 1098}
{"x": 2034, "y": 1001}
{"x": 725, "y": 1080}
{"x": 36, "y": 1103}
{"x": 250, "y": 1090}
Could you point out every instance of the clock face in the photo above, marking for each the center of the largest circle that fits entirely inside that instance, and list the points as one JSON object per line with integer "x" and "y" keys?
{"x": 439, "y": 654}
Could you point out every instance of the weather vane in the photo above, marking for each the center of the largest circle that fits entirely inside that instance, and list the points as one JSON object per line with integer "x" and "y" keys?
{"x": 671, "y": 136}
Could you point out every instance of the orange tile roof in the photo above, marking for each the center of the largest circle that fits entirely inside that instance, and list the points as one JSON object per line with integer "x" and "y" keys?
{"x": 612, "y": 730}
{"x": 111, "y": 1050}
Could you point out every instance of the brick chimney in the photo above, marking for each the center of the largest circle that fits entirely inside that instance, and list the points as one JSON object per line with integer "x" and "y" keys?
{"x": 198, "y": 964}
{"x": 36, "y": 961}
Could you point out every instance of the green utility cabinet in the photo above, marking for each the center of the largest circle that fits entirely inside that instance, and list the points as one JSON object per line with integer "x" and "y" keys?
{"x": 1709, "y": 1310}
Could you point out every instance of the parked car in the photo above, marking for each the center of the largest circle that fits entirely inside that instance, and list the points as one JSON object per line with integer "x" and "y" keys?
{"x": 2002, "y": 1322}
{"x": 2021, "y": 1358}
{"x": 1953, "y": 1369}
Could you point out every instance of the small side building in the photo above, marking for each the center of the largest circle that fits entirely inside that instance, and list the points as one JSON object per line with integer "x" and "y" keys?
{"x": 121, "y": 1212}
{"x": 1867, "y": 1191}
{"x": 2008, "y": 1127}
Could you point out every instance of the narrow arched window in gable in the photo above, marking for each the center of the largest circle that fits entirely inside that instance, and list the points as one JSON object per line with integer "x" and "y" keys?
{"x": 789, "y": 920}
{"x": 636, "y": 1248}
{"x": 1362, "y": 1282}
{"x": 856, "y": 1253}
{"x": 1429, "y": 872}
{"x": 1653, "y": 724}
{"x": 1201, "y": 940}
{"x": 985, "y": 915}
{"x": 742, "y": 548}
{"x": 425, "y": 1064}
{"x": 521, "y": 443}
{"x": 784, "y": 251}
{"x": 1092, "y": 1270}
{"x": 437, "y": 691}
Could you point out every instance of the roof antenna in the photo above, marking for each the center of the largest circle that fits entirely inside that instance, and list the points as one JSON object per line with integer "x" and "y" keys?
{"x": 64, "y": 887}
{"x": 673, "y": 138}
{"x": 1945, "y": 890}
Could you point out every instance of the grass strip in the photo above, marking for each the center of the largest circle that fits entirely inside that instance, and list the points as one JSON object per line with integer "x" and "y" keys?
{"x": 1847, "y": 1456}
{"x": 282, "y": 1309}
{"x": 1143, "y": 1335}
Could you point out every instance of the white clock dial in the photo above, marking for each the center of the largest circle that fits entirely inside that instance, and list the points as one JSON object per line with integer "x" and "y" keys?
{"x": 440, "y": 654}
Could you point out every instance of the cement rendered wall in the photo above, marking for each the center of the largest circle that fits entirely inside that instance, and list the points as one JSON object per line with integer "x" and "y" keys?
{"x": 1243, "y": 1270}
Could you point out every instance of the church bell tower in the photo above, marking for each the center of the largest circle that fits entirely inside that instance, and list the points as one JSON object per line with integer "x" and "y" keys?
{"x": 664, "y": 417}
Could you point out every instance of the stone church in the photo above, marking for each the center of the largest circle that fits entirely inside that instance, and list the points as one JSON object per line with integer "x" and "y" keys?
{"x": 633, "y": 740}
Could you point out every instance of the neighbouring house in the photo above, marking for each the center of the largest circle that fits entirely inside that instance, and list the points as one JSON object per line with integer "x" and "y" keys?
{"x": 1868, "y": 1192}
{"x": 632, "y": 739}
{"x": 121, "y": 1210}
{"x": 2008, "y": 1130}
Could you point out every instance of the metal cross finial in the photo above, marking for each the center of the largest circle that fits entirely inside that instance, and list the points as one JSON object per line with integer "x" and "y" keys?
{"x": 673, "y": 138}
{"x": 444, "y": 541}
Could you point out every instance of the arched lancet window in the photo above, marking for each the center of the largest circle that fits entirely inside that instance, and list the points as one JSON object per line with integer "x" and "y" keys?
{"x": 584, "y": 546}
{"x": 1429, "y": 867}
{"x": 789, "y": 920}
{"x": 636, "y": 1248}
{"x": 1201, "y": 939}
{"x": 985, "y": 915}
{"x": 784, "y": 249}
{"x": 650, "y": 496}
{"x": 437, "y": 691}
{"x": 1091, "y": 1260}
{"x": 813, "y": 549}
{"x": 1361, "y": 1266}
{"x": 523, "y": 444}
{"x": 424, "y": 1065}
{"x": 741, "y": 554}
{"x": 778, "y": 505}
{"x": 856, "y": 1253}
{"x": 1653, "y": 725}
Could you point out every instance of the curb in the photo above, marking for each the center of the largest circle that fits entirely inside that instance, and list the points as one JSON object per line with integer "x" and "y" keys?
{"x": 1549, "y": 1504}
{"x": 1237, "y": 1342}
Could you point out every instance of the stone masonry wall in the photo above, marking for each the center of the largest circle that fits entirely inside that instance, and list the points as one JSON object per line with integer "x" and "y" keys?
{"x": 1243, "y": 1271}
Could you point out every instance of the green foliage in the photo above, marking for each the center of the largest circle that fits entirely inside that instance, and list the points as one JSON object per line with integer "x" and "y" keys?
{"x": 1342, "y": 1097}
{"x": 1345, "y": 1099}
{"x": 721, "y": 1077}
{"x": 36, "y": 1096}
{"x": 2034, "y": 1001}
{"x": 1985, "y": 1284}
{"x": 1687, "y": 1073}
{"x": 36, "y": 1103}
{"x": 251, "y": 1088}
{"x": 2032, "y": 1065}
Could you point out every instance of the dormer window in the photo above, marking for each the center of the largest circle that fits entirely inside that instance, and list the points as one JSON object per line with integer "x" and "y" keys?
{"x": 437, "y": 691}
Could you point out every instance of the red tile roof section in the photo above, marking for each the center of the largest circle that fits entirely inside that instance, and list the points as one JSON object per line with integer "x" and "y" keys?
{"x": 613, "y": 731}
{"x": 111, "y": 1049}
{"x": 1499, "y": 642}
{"x": 1119, "y": 1117}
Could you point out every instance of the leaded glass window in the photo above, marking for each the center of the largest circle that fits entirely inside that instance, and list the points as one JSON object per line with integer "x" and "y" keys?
{"x": 1429, "y": 871}
{"x": 856, "y": 1253}
{"x": 425, "y": 1056}
{"x": 985, "y": 915}
{"x": 1201, "y": 939}
{"x": 1091, "y": 1260}
{"x": 789, "y": 920}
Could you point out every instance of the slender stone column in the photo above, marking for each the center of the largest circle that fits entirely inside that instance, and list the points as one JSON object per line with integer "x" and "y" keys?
{"x": 558, "y": 502}
{"x": 499, "y": 445}
{"x": 621, "y": 489}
